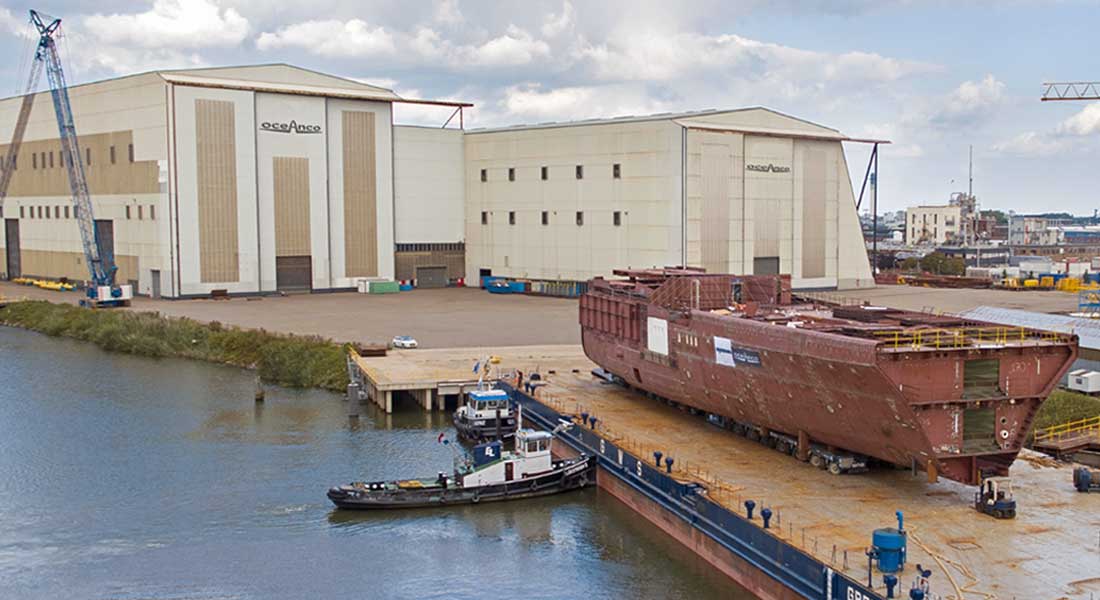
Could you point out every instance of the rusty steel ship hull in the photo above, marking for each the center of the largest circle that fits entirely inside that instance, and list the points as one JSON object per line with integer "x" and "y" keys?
{"x": 953, "y": 397}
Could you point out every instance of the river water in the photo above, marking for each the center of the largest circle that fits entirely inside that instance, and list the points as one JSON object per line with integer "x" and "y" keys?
{"x": 124, "y": 477}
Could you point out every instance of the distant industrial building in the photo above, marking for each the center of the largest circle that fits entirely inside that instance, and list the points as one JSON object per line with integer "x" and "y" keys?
{"x": 931, "y": 224}
{"x": 272, "y": 178}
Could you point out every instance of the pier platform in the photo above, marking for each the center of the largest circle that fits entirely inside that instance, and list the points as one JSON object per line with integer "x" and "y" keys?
{"x": 431, "y": 375}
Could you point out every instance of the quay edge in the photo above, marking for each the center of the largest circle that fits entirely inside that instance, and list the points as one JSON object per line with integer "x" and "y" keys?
{"x": 757, "y": 560}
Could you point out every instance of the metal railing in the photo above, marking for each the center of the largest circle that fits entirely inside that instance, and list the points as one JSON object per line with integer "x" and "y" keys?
{"x": 962, "y": 337}
{"x": 1078, "y": 428}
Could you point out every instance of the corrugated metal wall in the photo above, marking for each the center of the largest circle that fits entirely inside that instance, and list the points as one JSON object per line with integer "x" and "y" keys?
{"x": 360, "y": 195}
{"x": 216, "y": 178}
{"x": 813, "y": 214}
{"x": 291, "y": 193}
{"x": 717, "y": 165}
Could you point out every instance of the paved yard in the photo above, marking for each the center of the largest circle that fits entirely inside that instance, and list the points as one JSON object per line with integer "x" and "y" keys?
{"x": 953, "y": 301}
{"x": 470, "y": 317}
{"x": 445, "y": 318}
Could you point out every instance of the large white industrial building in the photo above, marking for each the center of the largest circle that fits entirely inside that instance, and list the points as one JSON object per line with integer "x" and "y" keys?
{"x": 264, "y": 178}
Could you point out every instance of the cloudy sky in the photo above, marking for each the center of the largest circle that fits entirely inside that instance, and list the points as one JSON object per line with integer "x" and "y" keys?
{"x": 934, "y": 77}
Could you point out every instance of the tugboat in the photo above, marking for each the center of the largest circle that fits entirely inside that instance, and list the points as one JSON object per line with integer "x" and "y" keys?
{"x": 489, "y": 475}
{"x": 487, "y": 415}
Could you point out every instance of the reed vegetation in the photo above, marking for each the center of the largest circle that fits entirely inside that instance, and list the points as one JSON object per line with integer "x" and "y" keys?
{"x": 287, "y": 360}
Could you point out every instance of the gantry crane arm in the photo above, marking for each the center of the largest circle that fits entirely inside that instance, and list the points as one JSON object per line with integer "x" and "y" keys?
{"x": 1073, "y": 90}
{"x": 7, "y": 168}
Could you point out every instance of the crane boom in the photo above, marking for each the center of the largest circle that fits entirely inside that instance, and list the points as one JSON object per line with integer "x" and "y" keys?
{"x": 101, "y": 268}
{"x": 1074, "y": 90}
{"x": 102, "y": 290}
{"x": 7, "y": 168}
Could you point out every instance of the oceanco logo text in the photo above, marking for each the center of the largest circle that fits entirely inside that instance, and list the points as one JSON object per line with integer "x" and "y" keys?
{"x": 291, "y": 127}
{"x": 768, "y": 168}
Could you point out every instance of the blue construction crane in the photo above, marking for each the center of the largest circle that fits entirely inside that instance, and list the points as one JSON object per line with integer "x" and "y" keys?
{"x": 102, "y": 291}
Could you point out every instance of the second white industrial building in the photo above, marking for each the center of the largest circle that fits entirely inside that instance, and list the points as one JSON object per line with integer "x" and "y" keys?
{"x": 265, "y": 178}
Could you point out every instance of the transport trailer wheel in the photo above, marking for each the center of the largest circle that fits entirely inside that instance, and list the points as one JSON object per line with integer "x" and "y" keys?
{"x": 782, "y": 447}
{"x": 817, "y": 461}
{"x": 835, "y": 469}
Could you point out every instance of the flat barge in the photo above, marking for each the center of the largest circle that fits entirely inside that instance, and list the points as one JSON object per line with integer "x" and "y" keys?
{"x": 822, "y": 524}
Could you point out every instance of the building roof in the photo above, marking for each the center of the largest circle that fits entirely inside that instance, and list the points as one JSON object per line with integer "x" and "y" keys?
{"x": 280, "y": 78}
{"x": 1087, "y": 330}
{"x": 600, "y": 121}
{"x": 756, "y": 120}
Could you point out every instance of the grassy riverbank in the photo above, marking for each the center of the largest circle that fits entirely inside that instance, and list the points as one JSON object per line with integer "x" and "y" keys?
{"x": 1064, "y": 406}
{"x": 287, "y": 360}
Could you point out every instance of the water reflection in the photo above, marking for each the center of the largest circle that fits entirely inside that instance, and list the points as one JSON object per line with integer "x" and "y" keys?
{"x": 123, "y": 477}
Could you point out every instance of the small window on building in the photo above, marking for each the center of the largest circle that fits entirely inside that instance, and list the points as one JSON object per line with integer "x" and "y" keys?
{"x": 484, "y": 217}
{"x": 545, "y": 217}
{"x": 61, "y": 158}
{"x": 15, "y": 163}
{"x": 152, "y": 212}
{"x": 66, "y": 212}
{"x": 88, "y": 157}
{"x": 76, "y": 212}
{"x": 47, "y": 212}
{"x": 580, "y": 217}
{"x": 935, "y": 218}
{"x": 617, "y": 171}
{"x": 127, "y": 211}
{"x": 484, "y": 175}
{"x": 57, "y": 212}
{"x": 511, "y": 173}
{"x": 617, "y": 218}
{"x": 51, "y": 159}
{"x": 112, "y": 155}
{"x": 141, "y": 212}
{"x": 20, "y": 212}
{"x": 580, "y": 171}
{"x": 130, "y": 151}
{"x": 511, "y": 217}
{"x": 545, "y": 173}
{"x": 34, "y": 160}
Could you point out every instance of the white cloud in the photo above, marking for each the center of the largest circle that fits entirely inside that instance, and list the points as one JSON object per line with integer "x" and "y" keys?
{"x": 515, "y": 47}
{"x": 171, "y": 24}
{"x": 15, "y": 26}
{"x": 532, "y": 102}
{"x": 555, "y": 25}
{"x": 1031, "y": 144}
{"x": 332, "y": 38}
{"x": 448, "y": 13}
{"x": 1086, "y": 122}
{"x": 658, "y": 56}
{"x": 970, "y": 103}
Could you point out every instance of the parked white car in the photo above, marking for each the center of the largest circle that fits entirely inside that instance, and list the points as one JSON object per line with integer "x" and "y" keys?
{"x": 404, "y": 341}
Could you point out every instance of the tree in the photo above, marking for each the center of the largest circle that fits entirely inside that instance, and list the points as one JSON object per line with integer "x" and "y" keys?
{"x": 941, "y": 264}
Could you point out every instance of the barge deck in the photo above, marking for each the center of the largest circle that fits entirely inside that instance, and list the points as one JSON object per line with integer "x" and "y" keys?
{"x": 1051, "y": 550}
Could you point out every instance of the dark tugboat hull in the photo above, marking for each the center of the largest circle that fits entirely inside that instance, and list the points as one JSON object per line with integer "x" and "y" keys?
{"x": 571, "y": 475}
{"x": 489, "y": 431}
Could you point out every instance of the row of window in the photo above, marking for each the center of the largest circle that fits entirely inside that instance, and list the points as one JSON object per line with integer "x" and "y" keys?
{"x": 616, "y": 217}
{"x": 432, "y": 247}
{"x": 44, "y": 160}
{"x": 544, "y": 172}
{"x": 62, "y": 212}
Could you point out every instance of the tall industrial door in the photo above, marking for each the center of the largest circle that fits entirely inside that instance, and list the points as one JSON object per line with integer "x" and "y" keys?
{"x": 293, "y": 273}
{"x": 105, "y": 235}
{"x": 293, "y": 268}
{"x": 11, "y": 235}
{"x": 431, "y": 277}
